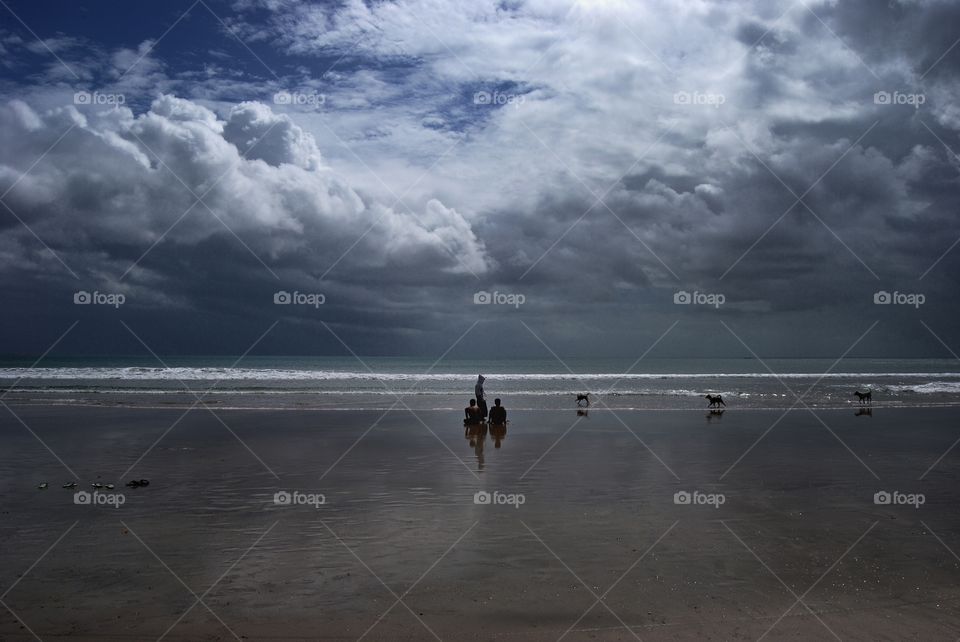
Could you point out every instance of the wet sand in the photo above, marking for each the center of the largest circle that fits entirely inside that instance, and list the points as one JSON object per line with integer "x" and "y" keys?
{"x": 598, "y": 519}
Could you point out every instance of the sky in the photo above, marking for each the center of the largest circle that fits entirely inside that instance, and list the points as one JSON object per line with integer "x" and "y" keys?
{"x": 546, "y": 178}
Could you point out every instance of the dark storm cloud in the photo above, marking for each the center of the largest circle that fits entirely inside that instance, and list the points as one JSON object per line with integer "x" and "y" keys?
{"x": 403, "y": 196}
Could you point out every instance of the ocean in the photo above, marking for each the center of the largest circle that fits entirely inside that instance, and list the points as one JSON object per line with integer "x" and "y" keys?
{"x": 348, "y": 382}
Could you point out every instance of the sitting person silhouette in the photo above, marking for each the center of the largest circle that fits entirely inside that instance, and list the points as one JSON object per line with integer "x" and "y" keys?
{"x": 472, "y": 413}
{"x": 498, "y": 414}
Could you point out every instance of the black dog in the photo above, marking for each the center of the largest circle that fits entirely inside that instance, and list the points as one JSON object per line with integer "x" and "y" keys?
{"x": 584, "y": 397}
{"x": 865, "y": 397}
{"x": 715, "y": 401}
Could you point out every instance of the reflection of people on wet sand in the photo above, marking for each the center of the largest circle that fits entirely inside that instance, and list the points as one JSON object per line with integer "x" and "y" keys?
{"x": 498, "y": 432}
{"x": 476, "y": 433}
{"x": 498, "y": 414}
{"x": 472, "y": 414}
{"x": 478, "y": 392}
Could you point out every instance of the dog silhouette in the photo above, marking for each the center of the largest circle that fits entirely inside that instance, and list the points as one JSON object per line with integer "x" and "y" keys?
{"x": 715, "y": 401}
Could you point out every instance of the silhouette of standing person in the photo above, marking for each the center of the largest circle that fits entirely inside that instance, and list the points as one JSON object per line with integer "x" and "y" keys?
{"x": 478, "y": 393}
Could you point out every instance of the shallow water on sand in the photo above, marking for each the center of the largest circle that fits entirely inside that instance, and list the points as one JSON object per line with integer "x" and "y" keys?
{"x": 598, "y": 490}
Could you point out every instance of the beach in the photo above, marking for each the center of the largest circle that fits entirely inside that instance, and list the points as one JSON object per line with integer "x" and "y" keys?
{"x": 781, "y": 537}
{"x": 509, "y": 321}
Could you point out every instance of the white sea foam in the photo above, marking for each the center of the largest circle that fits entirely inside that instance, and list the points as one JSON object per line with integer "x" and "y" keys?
{"x": 553, "y": 392}
{"x": 273, "y": 374}
{"x": 934, "y": 387}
